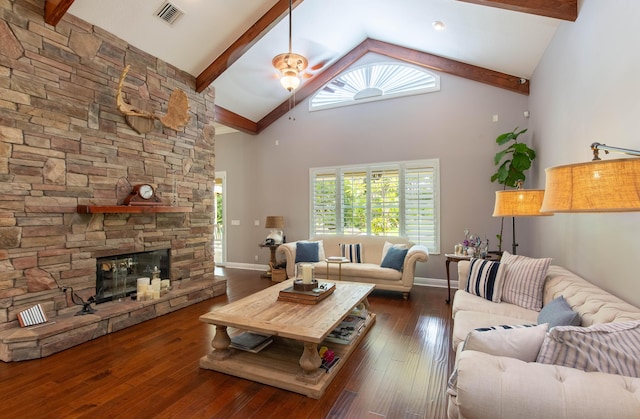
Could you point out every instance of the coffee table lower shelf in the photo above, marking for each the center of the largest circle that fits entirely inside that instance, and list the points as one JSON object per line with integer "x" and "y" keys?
{"x": 278, "y": 364}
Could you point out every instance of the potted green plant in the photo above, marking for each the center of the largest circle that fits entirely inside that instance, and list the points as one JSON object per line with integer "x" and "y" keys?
{"x": 512, "y": 162}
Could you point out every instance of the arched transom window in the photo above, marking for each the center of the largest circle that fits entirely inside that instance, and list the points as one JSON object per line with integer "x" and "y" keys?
{"x": 376, "y": 81}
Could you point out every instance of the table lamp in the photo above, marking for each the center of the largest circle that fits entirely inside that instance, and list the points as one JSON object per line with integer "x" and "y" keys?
{"x": 276, "y": 224}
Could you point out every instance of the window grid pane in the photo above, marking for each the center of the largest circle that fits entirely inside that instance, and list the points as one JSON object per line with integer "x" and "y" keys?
{"x": 385, "y": 202}
{"x": 354, "y": 202}
{"x": 324, "y": 203}
{"x": 419, "y": 202}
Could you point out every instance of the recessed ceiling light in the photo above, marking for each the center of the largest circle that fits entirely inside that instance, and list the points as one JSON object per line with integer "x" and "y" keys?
{"x": 438, "y": 25}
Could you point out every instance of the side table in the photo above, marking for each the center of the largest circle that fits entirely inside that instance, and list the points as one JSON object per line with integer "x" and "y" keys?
{"x": 452, "y": 257}
{"x": 272, "y": 248}
{"x": 339, "y": 261}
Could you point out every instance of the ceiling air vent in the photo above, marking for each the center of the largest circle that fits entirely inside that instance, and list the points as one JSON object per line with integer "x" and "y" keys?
{"x": 169, "y": 13}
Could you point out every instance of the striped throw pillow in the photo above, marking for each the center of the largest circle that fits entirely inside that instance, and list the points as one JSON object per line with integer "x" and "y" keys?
{"x": 485, "y": 279}
{"x": 524, "y": 280}
{"x": 353, "y": 252}
{"x": 611, "y": 348}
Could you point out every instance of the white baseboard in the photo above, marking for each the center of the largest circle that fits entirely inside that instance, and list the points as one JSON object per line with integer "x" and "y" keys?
{"x": 422, "y": 282}
{"x": 435, "y": 282}
{"x": 247, "y": 266}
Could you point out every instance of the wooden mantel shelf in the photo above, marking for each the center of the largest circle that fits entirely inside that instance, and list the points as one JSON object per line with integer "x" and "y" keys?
{"x": 130, "y": 209}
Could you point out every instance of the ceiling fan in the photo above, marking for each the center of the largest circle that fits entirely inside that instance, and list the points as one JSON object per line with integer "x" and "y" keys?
{"x": 293, "y": 66}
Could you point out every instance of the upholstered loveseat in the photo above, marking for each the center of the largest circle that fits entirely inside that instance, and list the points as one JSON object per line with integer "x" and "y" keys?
{"x": 369, "y": 271}
{"x": 489, "y": 386}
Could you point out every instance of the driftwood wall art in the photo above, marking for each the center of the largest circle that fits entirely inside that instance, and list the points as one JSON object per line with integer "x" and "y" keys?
{"x": 141, "y": 121}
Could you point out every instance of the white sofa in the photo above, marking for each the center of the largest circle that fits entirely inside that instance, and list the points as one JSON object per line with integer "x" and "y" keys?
{"x": 500, "y": 387}
{"x": 367, "y": 272}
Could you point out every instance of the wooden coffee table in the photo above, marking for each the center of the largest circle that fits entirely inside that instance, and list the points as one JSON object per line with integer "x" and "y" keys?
{"x": 291, "y": 362}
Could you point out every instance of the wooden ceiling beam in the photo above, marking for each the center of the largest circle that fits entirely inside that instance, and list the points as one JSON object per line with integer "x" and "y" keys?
{"x": 423, "y": 59}
{"x": 558, "y": 9}
{"x": 235, "y": 121}
{"x": 252, "y": 35}
{"x": 55, "y": 9}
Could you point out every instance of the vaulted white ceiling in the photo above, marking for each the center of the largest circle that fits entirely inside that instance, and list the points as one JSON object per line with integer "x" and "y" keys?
{"x": 506, "y": 41}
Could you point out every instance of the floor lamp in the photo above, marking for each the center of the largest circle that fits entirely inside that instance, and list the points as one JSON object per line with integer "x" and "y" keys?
{"x": 595, "y": 186}
{"x": 518, "y": 203}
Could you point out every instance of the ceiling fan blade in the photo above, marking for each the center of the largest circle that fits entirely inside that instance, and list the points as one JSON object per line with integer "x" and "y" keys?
{"x": 319, "y": 65}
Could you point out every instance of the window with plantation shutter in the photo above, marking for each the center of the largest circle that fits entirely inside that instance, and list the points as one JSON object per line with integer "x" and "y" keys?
{"x": 324, "y": 203}
{"x": 385, "y": 202}
{"x": 385, "y": 199}
{"x": 420, "y": 205}
{"x": 354, "y": 202}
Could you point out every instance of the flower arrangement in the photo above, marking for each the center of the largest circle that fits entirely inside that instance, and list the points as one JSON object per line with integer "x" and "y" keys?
{"x": 472, "y": 245}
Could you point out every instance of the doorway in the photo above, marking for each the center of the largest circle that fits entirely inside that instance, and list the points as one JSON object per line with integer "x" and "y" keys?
{"x": 219, "y": 226}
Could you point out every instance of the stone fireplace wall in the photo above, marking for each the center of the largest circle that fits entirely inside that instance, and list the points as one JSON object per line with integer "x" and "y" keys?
{"x": 64, "y": 143}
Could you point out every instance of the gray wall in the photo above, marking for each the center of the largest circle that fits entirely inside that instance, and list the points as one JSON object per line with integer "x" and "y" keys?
{"x": 454, "y": 125}
{"x": 586, "y": 89}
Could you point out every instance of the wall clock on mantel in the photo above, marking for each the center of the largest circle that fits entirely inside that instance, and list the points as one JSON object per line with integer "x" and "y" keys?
{"x": 142, "y": 194}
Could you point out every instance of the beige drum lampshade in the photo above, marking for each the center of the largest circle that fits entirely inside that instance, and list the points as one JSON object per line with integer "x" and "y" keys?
{"x": 274, "y": 221}
{"x": 596, "y": 186}
{"x": 519, "y": 203}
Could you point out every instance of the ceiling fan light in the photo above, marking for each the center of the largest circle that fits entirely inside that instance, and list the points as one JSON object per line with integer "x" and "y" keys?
{"x": 290, "y": 81}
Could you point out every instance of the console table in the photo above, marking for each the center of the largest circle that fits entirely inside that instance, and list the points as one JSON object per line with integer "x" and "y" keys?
{"x": 272, "y": 258}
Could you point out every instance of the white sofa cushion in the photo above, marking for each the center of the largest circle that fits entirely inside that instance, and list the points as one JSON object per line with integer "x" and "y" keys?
{"x": 524, "y": 280}
{"x": 609, "y": 347}
{"x": 464, "y": 301}
{"x": 491, "y": 387}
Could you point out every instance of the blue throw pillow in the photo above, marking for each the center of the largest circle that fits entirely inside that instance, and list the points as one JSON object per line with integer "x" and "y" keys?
{"x": 307, "y": 252}
{"x": 394, "y": 258}
{"x": 558, "y": 313}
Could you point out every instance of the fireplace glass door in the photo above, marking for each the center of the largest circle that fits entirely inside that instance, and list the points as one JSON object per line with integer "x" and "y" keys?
{"x": 117, "y": 276}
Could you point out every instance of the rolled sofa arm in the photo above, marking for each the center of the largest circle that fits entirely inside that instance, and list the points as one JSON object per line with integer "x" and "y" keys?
{"x": 288, "y": 250}
{"x": 494, "y": 387}
{"x": 416, "y": 253}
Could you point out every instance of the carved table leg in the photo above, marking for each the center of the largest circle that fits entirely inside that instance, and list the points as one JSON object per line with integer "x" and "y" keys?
{"x": 220, "y": 344}
{"x": 310, "y": 362}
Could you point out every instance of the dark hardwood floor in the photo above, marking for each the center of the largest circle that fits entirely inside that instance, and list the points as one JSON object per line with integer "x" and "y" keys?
{"x": 151, "y": 370}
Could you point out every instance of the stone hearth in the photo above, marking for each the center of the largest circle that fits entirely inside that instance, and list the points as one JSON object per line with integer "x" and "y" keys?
{"x": 69, "y": 330}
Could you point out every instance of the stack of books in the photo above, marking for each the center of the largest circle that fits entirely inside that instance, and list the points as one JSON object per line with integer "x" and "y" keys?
{"x": 251, "y": 342}
{"x": 307, "y": 297}
{"x": 347, "y": 330}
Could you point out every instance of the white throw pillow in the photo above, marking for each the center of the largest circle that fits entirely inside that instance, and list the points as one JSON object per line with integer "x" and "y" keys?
{"x": 520, "y": 341}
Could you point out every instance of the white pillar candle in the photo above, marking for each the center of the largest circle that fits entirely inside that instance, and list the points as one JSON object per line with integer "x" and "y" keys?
{"x": 142, "y": 285}
{"x": 165, "y": 284}
{"x": 155, "y": 284}
{"x": 307, "y": 274}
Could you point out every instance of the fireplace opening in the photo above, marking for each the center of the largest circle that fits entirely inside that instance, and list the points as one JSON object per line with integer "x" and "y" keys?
{"x": 116, "y": 276}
